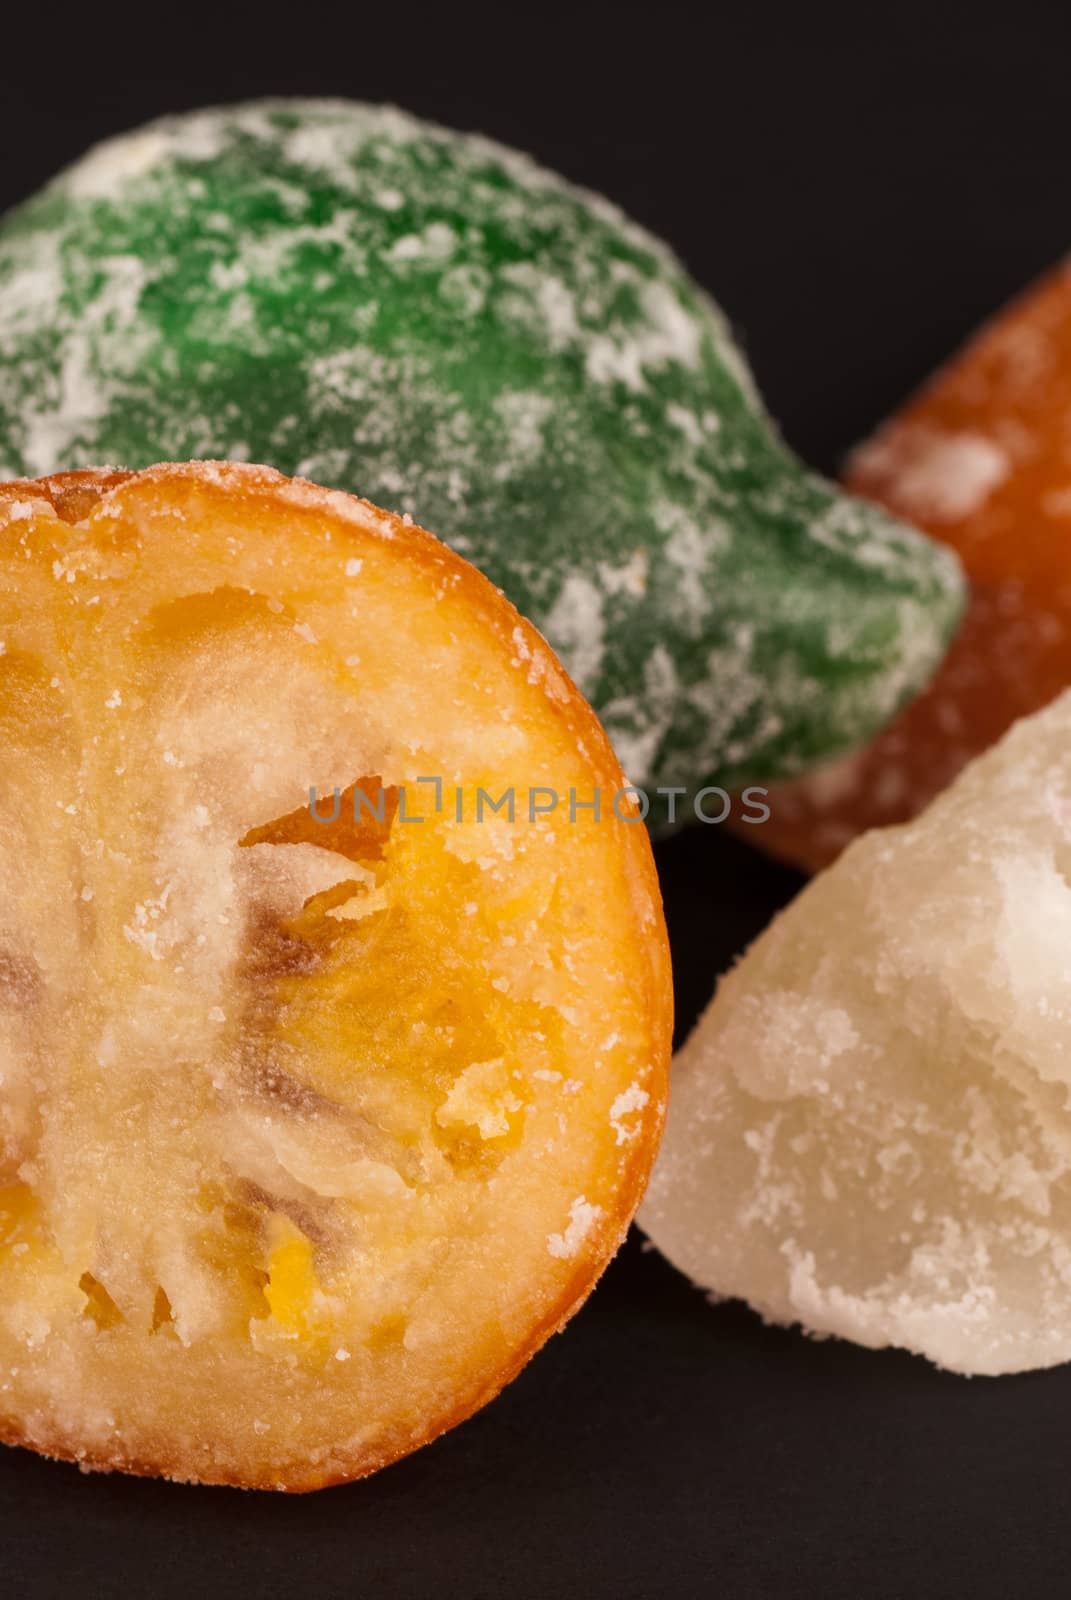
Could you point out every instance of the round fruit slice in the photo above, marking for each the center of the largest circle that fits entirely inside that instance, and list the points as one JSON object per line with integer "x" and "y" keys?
{"x": 432, "y": 320}
{"x": 334, "y": 1020}
{"x": 979, "y": 458}
{"x": 870, "y": 1131}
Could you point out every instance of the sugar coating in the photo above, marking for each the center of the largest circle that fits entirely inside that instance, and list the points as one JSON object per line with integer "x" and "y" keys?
{"x": 945, "y": 475}
{"x": 870, "y": 1131}
{"x": 436, "y": 323}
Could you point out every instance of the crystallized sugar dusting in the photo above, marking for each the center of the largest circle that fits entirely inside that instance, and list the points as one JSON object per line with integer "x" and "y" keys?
{"x": 436, "y": 323}
{"x": 942, "y": 476}
{"x": 582, "y": 1218}
{"x": 870, "y": 1130}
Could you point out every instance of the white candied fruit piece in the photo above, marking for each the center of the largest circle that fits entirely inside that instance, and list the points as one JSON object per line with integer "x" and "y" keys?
{"x": 870, "y": 1129}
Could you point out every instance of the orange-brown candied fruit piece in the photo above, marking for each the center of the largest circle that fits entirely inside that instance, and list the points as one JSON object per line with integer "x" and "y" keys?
{"x": 980, "y": 458}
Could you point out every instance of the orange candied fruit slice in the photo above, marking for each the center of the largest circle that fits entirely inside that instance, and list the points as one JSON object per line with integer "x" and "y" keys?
{"x": 313, "y": 1127}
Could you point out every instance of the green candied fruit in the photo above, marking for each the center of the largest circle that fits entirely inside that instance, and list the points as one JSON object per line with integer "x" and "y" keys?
{"x": 430, "y": 320}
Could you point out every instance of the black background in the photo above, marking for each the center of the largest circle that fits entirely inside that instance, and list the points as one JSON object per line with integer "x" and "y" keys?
{"x": 859, "y": 186}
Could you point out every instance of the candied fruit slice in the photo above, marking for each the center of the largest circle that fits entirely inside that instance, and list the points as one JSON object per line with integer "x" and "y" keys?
{"x": 298, "y": 1101}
